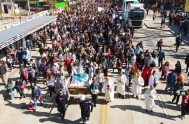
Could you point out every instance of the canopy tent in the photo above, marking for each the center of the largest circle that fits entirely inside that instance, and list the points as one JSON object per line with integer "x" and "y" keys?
{"x": 18, "y": 32}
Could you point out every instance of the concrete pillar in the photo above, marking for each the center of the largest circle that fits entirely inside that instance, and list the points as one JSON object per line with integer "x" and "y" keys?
{"x": 24, "y": 42}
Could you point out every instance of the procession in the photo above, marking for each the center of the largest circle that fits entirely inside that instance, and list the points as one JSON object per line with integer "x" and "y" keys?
{"x": 89, "y": 58}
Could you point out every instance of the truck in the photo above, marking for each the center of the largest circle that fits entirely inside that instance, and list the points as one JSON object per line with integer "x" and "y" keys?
{"x": 133, "y": 13}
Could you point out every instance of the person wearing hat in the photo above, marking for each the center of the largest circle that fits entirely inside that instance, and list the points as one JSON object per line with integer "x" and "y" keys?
{"x": 86, "y": 107}
{"x": 150, "y": 96}
{"x": 185, "y": 104}
{"x": 62, "y": 99}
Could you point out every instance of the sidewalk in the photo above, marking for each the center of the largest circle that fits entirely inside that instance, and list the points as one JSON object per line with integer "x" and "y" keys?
{"x": 156, "y": 24}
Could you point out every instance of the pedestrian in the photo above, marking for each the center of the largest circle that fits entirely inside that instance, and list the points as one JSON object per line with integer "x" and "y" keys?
{"x": 94, "y": 88}
{"x": 109, "y": 90}
{"x": 99, "y": 79}
{"x": 147, "y": 10}
{"x": 171, "y": 81}
{"x": 146, "y": 72}
{"x": 105, "y": 67}
{"x": 86, "y": 107}
{"x": 165, "y": 70}
{"x": 10, "y": 88}
{"x": 159, "y": 44}
{"x": 185, "y": 104}
{"x": 23, "y": 74}
{"x": 162, "y": 23}
{"x": 177, "y": 89}
{"x": 31, "y": 76}
{"x": 9, "y": 61}
{"x": 153, "y": 81}
{"x": 128, "y": 73}
{"x": 3, "y": 73}
{"x": 67, "y": 64}
{"x": 62, "y": 99}
{"x": 187, "y": 63}
{"x": 36, "y": 96}
{"x": 138, "y": 82}
{"x": 178, "y": 67}
{"x": 154, "y": 16}
{"x": 161, "y": 57}
{"x": 170, "y": 19}
{"x": 150, "y": 96}
{"x": 178, "y": 42}
{"x": 19, "y": 86}
{"x": 119, "y": 65}
{"x": 121, "y": 82}
{"x": 51, "y": 85}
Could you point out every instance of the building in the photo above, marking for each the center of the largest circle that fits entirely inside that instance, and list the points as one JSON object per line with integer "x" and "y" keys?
{"x": 9, "y": 7}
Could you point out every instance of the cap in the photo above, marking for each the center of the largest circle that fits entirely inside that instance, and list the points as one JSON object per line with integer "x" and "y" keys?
{"x": 82, "y": 98}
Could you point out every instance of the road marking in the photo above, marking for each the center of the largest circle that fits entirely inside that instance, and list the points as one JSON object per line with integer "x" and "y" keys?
{"x": 104, "y": 114}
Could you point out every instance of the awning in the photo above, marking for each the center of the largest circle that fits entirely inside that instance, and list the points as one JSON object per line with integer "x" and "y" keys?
{"x": 18, "y": 32}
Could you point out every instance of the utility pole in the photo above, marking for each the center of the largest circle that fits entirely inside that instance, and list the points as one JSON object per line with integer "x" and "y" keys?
{"x": 28, "y": 1}
{"x": 12, "y": 8}
{"x": 52, "y": 4}
{"x": 1, "y": 13}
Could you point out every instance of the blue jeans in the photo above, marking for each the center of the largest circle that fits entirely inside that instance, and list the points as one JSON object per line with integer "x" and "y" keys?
{"x": 171, "y": 88}
{"x": 35, "y": 102}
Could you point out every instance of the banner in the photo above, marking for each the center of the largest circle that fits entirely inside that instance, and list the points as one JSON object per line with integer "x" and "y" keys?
{"x": 186, "y": 9}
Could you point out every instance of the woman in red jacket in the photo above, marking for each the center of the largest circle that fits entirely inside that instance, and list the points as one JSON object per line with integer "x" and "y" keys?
{"x": 67, "y": 64}
{"x": 146, "y": 72}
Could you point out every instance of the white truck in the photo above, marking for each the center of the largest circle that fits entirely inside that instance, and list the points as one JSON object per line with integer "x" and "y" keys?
{"x": 133, "y": 13}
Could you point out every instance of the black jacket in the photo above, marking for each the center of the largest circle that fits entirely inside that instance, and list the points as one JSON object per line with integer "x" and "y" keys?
{"x": 86, "y": 107}
{"x": 3, "y": 70}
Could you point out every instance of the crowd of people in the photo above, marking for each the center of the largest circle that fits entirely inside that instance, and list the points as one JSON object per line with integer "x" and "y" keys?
{"x": 84, "y": 40}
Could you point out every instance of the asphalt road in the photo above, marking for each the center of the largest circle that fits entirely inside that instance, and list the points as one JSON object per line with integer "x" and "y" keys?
{"x": 119, "y": 111}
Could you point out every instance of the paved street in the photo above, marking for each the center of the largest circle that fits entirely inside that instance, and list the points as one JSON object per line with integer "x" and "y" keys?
{"x": 119, "y": 111}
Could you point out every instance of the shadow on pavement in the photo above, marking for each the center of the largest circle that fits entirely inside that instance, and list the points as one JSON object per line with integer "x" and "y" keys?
{"x": 58, "y": 120}
{"x": 140, "y": 109}
{"x": 169, "y": 105}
